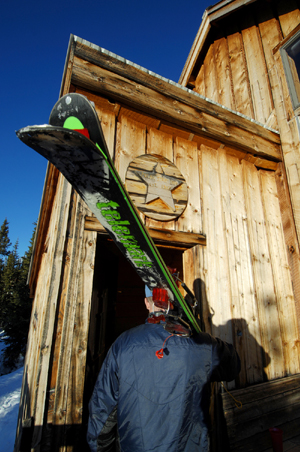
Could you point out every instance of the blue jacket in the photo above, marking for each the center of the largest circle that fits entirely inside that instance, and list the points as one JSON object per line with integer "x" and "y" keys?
{"x": 149, "y": 404}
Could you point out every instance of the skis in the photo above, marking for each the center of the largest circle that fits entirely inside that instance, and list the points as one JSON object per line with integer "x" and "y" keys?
{"x": 75, "y": 144}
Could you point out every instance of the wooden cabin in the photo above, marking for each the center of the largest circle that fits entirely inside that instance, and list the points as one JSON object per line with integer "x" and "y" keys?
{"x": 231, "y": 128}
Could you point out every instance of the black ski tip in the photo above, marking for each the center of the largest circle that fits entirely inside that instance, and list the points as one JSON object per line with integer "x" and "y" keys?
{"x": 33, "y": 129}
{"x": 65, "y": 106}
{"x": 80, "y": 107}
{"x": 24, "y": 131}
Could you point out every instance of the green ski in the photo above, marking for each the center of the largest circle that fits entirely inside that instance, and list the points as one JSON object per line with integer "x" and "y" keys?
{"x": 75, "y": 144}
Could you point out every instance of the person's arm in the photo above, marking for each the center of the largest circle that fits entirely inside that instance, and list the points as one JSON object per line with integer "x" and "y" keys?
{"x": 226, "y": 363}
{"x": 102, "y": 425}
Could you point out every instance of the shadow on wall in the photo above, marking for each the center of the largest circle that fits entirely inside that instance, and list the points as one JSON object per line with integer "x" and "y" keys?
{"x": 254, "y": 359}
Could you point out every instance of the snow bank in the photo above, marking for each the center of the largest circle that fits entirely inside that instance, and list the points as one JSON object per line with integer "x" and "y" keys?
{"x": 10, "y": 389}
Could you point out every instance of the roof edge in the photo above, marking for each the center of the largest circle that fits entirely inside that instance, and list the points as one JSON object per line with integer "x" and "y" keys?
{"x": 170, "y": 82}
{"x": 195, "y": 49}
{"x": 211, "y": 15}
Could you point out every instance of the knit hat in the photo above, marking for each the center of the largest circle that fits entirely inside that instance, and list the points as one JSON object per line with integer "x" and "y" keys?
{"x": 148, "y": 292}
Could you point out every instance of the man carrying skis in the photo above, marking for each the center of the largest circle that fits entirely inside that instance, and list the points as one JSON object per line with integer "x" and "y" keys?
{"x": 152, "y": 393}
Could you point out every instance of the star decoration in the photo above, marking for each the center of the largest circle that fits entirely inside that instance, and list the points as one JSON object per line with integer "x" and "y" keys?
{"x": 159, "y": 185}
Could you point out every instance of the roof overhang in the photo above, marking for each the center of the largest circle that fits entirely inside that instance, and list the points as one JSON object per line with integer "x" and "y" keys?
{"x": 97, "y": 70}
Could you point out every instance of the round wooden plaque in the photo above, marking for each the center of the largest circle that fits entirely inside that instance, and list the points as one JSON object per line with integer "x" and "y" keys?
{"x": 156, "y": 187}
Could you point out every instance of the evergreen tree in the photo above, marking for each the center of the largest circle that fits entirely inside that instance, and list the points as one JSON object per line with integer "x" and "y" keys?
{"x": 4, "y": 252}
{"x": 10, "y": 301}
{"x": 15, "y": 303}
{"x": 4, "y": 240}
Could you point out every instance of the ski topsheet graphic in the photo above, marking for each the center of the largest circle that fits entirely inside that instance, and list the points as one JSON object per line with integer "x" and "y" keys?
{"x": 75, "y": 144}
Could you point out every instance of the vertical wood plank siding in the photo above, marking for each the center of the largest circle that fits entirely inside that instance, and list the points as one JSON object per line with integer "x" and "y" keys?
{"x": 186, "y": 160}
{"x": 246, "y": 221}
{"x": 239, "y": 74}
{"x": 131, "y": 142}
{"x": 289, "y": 16}
{"x": 243, "y": 303}
{"x": 235, "y": 70}
{"x": 285, "y": 311}
{"x": 262, "y": 270}
{"x": 242, "y": 276}
{"x": 259, "y": 84}
{"x": 247, "y": 276}
{"x": 36, "y": 366}
{"x": 290, "y": 234}
{"x": 160, "y": 143}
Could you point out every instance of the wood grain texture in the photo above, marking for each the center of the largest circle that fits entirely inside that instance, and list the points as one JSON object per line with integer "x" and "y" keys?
{"x": 160, "y": 143}
{"x": 289, "y": 16}
{"x": 289, "y": 130}
{"x": 194, "y": 278}
{"x": 43, "y": 315}
{"x": 288, "y": 327}
{"x": 245, "y": 317}
{"x": 263, "y": 275}
{"x": 258, "y": 78}
{"x": 60, "y": 381}
{"x": 186, "y": 160}
{"x": 141, "y": 78}
{"x": 199, "y": 82}
{"x": 156, "y": 187}
{"x": 225, "y": 125}
{"x": 223, "y": 69}
{"x": 270, "y": 33}
{"x": 211, "y": 76}
{"x": 217, "y": 283}
{"x": 131, "y": 142}
{"x": 168, "y": 237}
{"x": 240, "y": 80}
{"x": 51, "y": 179}
{"x": 66, "y": 388}
{"x": 263, "y": 406}
{"x": 289, "y": 230}
{"x": 108, "y": 124}
{"x": 85, "y": 276}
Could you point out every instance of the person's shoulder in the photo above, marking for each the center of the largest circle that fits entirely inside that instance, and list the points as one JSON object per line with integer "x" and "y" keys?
{"x": 133, "y": 334}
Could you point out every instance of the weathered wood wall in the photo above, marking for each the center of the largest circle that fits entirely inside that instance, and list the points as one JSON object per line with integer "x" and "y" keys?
{"x": 243, "y": 270}
{"x": 242, "y": 69}
{"x": 242, "y": 275}
{"x": 276, "y": 403}
{"x": 236, "y": 68}
{"x": 57, "y": 344}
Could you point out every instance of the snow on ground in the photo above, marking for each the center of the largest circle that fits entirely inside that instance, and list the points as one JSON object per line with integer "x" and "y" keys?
{"x": 10, "y": 389}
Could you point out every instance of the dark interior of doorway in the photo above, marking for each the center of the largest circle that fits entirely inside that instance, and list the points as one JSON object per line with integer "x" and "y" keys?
{"x": 117, "y": 302}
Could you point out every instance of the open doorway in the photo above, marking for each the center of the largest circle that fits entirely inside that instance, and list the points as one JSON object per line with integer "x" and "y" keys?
{"x": 117, "y": 304}
{"x": 118, "y": 300}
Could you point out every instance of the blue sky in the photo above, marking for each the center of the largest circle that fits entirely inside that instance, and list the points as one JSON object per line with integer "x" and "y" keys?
{"x": 157, "y": 35}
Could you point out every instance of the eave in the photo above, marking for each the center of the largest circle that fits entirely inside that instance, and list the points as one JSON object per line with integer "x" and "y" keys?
{"x": 97, "y": 70}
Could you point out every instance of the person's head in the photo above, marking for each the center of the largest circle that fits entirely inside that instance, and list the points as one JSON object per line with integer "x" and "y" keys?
{"x": 149, "y": 301}
{"x": 151, "y": 306}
